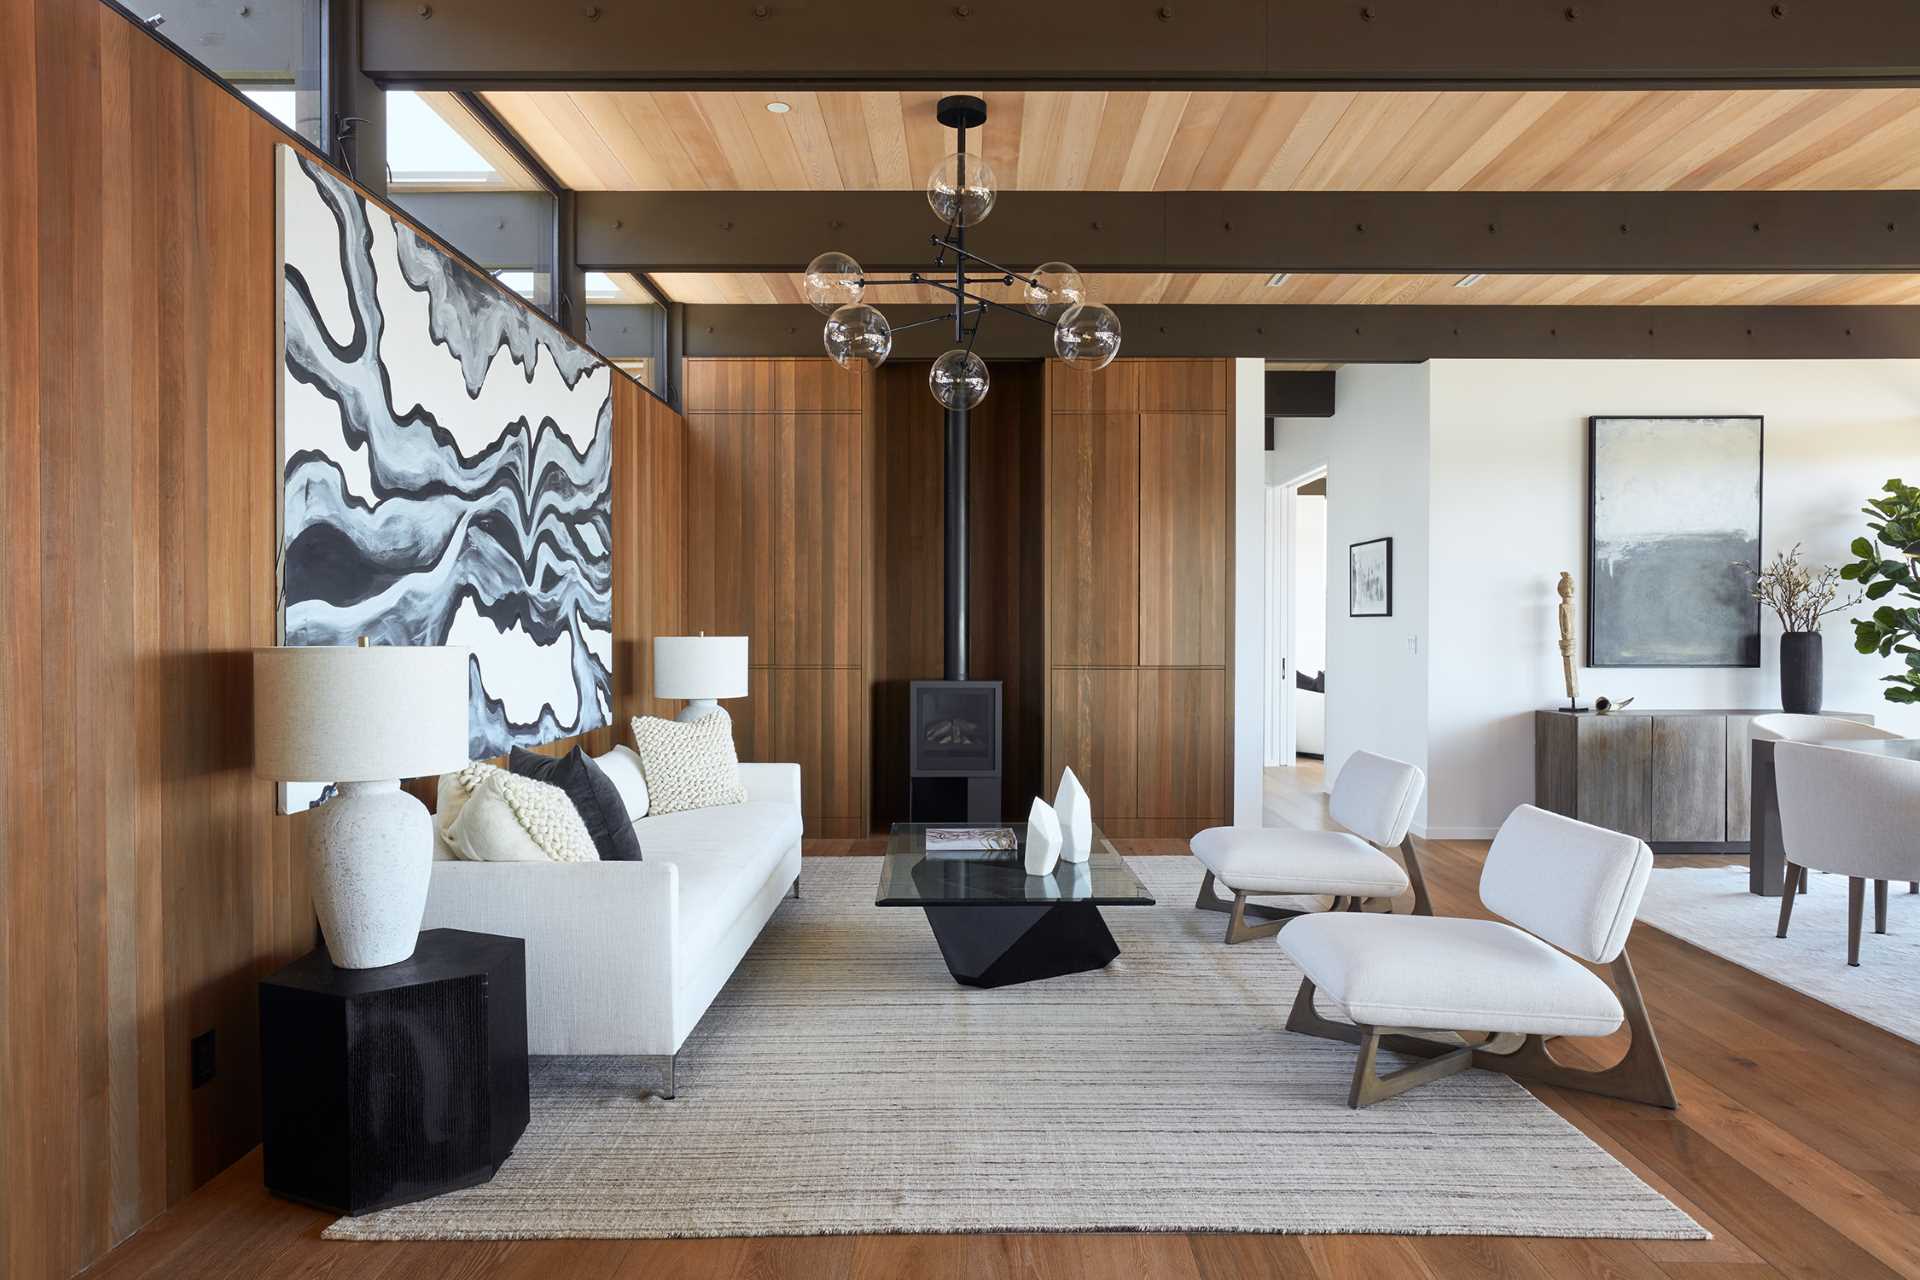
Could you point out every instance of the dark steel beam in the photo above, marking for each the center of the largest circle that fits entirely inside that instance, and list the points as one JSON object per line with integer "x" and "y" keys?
{"x": 1385, "y": 44}
{"x": 505, "y": 230}
{"x": 622, "y": 331}
{"x": 1377, "y": 333}
{"x": 353, "y": 105}
{"x": 1657, "y": 232}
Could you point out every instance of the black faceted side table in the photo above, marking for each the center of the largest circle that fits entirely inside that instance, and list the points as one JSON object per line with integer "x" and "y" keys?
{"x": 384, "y": 1086}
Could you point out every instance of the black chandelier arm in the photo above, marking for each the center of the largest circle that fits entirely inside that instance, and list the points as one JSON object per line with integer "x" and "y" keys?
{"x": 944, "y": 318}
{"x": 915, "y": 279}
{"x": 971, "y": 256}
{"x": 1010, "y": 310}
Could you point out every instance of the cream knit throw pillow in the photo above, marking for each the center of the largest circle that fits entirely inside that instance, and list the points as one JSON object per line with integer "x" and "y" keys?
{"x": 541, "y": 813}
{"x": 688, "y": 766}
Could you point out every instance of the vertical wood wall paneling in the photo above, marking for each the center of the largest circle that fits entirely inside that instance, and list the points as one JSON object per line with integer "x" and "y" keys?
{"x": 1138, "y": 574}
{"x": 146, "y": 882}
{"x": 777, "y": 474}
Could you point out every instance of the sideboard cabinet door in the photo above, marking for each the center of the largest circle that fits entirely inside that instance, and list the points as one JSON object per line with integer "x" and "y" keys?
{"x": 1615, "y": 754}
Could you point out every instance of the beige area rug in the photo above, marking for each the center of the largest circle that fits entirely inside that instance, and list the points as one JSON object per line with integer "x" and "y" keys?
{"x": 1711, "y": 908}
{"x": 843, "y": 1082}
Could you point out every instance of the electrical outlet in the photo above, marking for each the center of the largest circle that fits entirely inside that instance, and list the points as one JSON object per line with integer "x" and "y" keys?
{"x": 203, "y": 1059}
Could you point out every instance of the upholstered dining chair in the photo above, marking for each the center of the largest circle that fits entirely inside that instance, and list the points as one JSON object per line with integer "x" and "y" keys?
{"x": 1420, "y": 985}
{"x": 1851, "y": 813}
{"x": 1788, "y": 726}
{"x": 1374, "y": 798}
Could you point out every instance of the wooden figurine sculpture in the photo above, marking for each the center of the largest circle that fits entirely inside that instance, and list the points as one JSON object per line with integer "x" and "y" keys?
{"x": 1567, "y": 668}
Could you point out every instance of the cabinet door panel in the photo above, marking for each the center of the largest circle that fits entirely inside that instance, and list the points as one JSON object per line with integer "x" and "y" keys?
{"x": 810, "y": 543}
{"x": 1093, "y": 540}
{"x": 721, "y": 463}
{"x": 1739, "y": 778}
{"x": 1182, "y": 385}
{"x": 1111, "y": 390}
{"x": 816, "y": 718}
{"x": 776, "y": 385}
{"x": 1615, "y": 755}
{"x": 1689, "y": 778}
{"x": 1184, "y": 502}
{"x": 1183, "y": 745}
{"x": 1093, "y": 728}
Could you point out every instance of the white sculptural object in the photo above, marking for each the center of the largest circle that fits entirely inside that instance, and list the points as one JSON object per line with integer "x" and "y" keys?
{"x": 1043, "y": 839}
{"x": 1075, "y": 811}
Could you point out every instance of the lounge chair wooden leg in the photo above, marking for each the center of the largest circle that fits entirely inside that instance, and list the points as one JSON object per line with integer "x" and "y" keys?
{"x": 1879, "y": 906}
{"x": 1789, "y": 887}
{"x": 1641, "y": 1076}
{"x": 1239, "y": 910}
{"x": 1422, "y": 905}
{"x": 1856, "y": 907}
{"x": 1369, "y": 1086}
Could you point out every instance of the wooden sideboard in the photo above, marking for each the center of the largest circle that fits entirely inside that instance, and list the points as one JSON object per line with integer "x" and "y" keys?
{"x": 1680, "y": 780}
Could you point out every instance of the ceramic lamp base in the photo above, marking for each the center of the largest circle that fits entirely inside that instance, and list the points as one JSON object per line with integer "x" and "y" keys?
{"x": 698, "y": 708}
{"x": 370, "y": 860}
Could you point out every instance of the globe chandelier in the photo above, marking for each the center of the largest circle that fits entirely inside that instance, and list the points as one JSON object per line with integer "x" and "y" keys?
{"x": 961, "y": 192}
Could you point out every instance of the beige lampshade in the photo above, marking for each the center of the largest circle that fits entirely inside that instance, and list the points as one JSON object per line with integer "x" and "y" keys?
{"x": 337, "y": 714}
{"x": 699, "y": 666}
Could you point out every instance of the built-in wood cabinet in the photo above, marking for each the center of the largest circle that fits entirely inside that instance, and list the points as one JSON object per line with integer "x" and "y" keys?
{"x": 776, "y": 549}
{"x": 1139, "y": 603}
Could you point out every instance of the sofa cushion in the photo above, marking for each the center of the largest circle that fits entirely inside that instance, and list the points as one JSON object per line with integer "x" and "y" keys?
{"x": 724, "y": 854}
{"x": 592, "y": 793}
{"x": 688, "y": 766}
{"x": 1440, "y": 974}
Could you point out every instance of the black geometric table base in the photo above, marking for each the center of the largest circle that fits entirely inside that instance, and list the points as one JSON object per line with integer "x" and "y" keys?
{"x": 997, "y": 946}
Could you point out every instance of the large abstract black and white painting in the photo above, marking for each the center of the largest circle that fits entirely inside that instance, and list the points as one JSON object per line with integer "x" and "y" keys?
{"x": 446, "y": 468}
{"x": 1675, "y": 518}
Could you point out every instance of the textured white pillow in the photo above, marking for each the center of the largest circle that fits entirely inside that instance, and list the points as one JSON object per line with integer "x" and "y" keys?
{"x": 688, "y": 766}
{"x": 622, "y": 768}
{"x": 455, "y": 787}
{"x": 508, "y": 818}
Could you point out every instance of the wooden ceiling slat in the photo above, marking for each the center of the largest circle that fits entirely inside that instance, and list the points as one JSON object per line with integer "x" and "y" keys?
{"x": 1134, "y": 140}
{"x": 1376, "y": 290}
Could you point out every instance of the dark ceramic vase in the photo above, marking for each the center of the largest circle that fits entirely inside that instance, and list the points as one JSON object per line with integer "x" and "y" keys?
{"x": 1800, "y": 672}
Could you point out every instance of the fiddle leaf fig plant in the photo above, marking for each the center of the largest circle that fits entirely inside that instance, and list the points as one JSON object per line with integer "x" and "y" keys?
{"x": 1884, "y": 566}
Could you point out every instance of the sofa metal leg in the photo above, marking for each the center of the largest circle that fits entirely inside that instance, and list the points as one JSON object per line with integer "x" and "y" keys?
{"x": 667, "y": 1062}
{"x": 796, "y": 884}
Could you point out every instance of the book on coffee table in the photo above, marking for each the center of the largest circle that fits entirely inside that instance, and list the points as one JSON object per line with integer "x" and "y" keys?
{"x": 970, "y": 842}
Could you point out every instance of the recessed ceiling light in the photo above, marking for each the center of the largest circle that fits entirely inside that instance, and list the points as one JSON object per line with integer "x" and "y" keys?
{"x": 1278, "y": 278}
{"x": 1468, "y": 281}
{"x": 779, "y": 108}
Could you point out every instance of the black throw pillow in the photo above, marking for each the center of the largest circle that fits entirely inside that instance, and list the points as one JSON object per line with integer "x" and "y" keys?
{"x": 592, "y": 793}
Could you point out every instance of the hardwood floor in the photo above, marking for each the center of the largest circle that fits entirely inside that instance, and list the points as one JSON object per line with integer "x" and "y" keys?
{"x": 1794, "y": 1144}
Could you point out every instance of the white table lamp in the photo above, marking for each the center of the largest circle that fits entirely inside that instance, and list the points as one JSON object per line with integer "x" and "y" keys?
{"x": 701, "y": 669}
{"x": 365, "y": 718}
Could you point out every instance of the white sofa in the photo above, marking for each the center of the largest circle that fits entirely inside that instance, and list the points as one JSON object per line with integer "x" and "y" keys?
{"x": 623, "y": 958}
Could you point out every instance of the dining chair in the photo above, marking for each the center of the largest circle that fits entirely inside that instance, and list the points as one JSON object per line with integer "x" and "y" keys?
{"x": 1788, "y": 726}
{"x": 1852, "y": 814}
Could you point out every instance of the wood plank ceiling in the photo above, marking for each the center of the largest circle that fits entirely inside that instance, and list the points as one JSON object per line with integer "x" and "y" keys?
{"x": 1429, "y": 141}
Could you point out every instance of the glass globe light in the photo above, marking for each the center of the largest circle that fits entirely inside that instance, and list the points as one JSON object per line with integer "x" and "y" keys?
{"x": 1087, "y": 336}
{"x": 833, "y": 281}
{"x": 858, "y": 334}
{"x": 959, "y": 379}
{"x": 964, "y": 204}
{"x": 1053, "y": 287}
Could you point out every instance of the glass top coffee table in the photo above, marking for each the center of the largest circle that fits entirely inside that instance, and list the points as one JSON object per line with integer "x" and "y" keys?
{"x": 997, "y": 925}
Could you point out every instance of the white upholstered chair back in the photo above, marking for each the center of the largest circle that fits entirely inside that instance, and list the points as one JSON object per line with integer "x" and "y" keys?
{"x": 1785, "y": 726}
{"x": 1566, "y": 882}
{"x": 1374, "y": 797}
{"x": 1849, "y": 812}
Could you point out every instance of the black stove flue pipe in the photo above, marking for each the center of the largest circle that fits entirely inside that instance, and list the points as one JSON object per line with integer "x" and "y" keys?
{"x": 956, "y": 581}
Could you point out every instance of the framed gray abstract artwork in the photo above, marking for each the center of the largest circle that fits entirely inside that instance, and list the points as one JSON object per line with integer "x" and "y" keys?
{"x": 446, "y": 467}
{"x": 1674, "y": 514}
{"x": 1370, "y": 579}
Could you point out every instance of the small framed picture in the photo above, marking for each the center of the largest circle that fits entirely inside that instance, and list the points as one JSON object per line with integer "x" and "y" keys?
{"x": 1370, "y": 579}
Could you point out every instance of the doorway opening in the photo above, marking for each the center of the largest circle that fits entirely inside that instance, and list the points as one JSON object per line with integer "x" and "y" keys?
{"x": 1296, "y": 634}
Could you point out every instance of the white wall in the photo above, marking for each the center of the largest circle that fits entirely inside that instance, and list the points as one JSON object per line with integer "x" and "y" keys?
{"x": 1249, "y": 588}
{"x": 1509, "y": 512}
{"x": 1299, "y": 445}
{"x": 1377, "y": 487}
